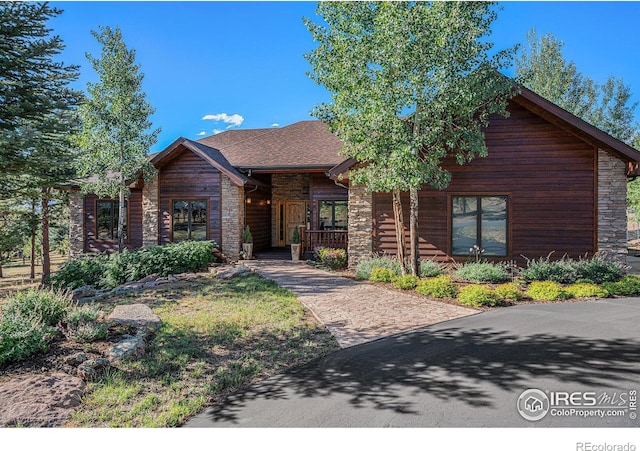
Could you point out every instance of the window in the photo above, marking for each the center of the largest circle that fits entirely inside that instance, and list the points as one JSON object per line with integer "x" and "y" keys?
{"x": 107, "y": 220}
{"x": 189, "y": 220}
{"x": 332, "y": 215}
{"x": 481, "y": 221}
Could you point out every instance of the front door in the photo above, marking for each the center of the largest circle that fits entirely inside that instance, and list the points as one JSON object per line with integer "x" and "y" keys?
{"x": 292, "y": 213}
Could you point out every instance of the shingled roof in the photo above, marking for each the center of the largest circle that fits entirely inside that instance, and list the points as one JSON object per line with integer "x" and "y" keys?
{"x": 305, "y": 144}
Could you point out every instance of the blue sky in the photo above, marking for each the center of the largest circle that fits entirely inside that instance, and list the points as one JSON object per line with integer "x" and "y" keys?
{"x": 241, "y": 64}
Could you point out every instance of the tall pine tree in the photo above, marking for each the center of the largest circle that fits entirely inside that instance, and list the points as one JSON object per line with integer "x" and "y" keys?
{"x": 37, "y": 113}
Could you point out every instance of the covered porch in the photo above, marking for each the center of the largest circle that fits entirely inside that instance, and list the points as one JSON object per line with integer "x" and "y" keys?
{"x": 311, "y": 201}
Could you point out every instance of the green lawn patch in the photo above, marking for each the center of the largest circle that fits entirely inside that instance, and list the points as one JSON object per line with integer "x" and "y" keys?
{"x": 217, "y": 337}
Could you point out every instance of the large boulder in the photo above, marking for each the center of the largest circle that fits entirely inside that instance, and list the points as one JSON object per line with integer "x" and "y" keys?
{"x": 234, "y": 271}
{"x": 129, "y": 348}
{"x": 136, "y": 315}
{"x": 85, "y": 291}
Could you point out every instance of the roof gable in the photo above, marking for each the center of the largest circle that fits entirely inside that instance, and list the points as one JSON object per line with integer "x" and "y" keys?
{"x": 559, "y": 117}
{"x": 582, "y": 129}
{"x": 208, "y": 154}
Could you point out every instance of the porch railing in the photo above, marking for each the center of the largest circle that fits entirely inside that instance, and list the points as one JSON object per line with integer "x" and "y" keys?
{"x": 313, "y": 239}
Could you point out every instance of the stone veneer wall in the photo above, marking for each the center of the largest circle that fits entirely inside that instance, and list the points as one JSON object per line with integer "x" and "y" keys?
{"x": 612, "y": 204}
{"x": 150, "y": 209}
{"x": 286, "y": 187}
{"x": 360, "y": 225}
{"x": 76, "y": 223}
{"x": 232, "y": 212}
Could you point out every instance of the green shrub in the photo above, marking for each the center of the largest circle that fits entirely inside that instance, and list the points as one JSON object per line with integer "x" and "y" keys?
{"x": 560, "y": 271}
{"x": 508, "y": 291}
{"x": 567, "y": 271}
{"x": 82, "y": 315}
{"x": 545, "y": 291}
{"x": 46, "y": 306}
{"x": 430, "y": 268}
{"x": 483, "y": 272}
{"x": 26, "y": 323}
{"x": 406, "y": 282}
{"x": 22, "y": 336}
{"x": 599, "y": 270}
{"x": 363, "y": 270}
{"x": 438, "y": 287}
{"x": 586, "y": 290}
{"x": 333, "y": 258}
{"x": 79, "y": 271}
{"x": 109, "y": 271}
{"x": 83, "y": 324}
{"x": 381, "y": 275}
{"x": 627, "y": 286}
{"x": 478, "y": 296}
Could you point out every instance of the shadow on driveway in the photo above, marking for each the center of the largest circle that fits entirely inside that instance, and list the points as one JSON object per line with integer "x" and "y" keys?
{"x": 478, "y": 364}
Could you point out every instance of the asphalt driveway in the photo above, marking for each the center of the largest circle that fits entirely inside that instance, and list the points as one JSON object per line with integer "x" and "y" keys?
{"x": 467, "y": 372}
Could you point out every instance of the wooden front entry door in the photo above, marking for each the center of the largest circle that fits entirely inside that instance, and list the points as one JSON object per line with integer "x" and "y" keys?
{"x": 292, "y": 213}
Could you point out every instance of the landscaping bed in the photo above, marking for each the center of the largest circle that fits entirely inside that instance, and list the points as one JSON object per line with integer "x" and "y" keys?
{"x": 217, "y": 336}
{"x": 484, "y": 285}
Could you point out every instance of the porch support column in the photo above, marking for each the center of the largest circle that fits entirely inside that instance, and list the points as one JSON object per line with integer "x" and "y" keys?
{"x": 232, "y": 212}
{"x": 612, "y": 205}
{"x": 76, "y": 223}
{"x": 150, "y": 213}
{"x": 360, "y": 225}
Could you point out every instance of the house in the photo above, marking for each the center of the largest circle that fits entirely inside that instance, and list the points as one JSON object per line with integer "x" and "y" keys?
{"x": 551, "y": 182}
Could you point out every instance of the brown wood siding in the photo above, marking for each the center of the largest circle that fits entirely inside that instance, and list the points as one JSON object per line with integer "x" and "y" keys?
{"x": 91, "y": 244}
{"x": 258, "y": 217}
{"x": 548, "y": 175}
{"x": 323, "y": 188}
{"x": 187, "y": 177}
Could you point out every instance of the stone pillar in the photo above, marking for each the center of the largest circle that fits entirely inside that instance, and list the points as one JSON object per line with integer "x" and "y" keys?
{"x": 612, "y": 205}
{"x": 232, "y": 212}
{"x": 360, "y": 225}
{"x": 76, "y": 223}
{"x": 150, "y": 212}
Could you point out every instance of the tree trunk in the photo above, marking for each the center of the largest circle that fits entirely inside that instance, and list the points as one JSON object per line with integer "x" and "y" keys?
{"x": 46, "y": 260}
{"x": 1, "y": 275}
{"x": 413, "y": 230}
{"x": 121, "y": 213}
{"x": 399, "y": 223}
{"x": 413, "y": 205}
{"x": 33, "y": 241}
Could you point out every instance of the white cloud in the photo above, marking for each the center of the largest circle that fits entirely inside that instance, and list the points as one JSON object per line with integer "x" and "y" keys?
{"x": 234, "y": 120}
{"x": 202, "y": 133}
{"x": 216, "y": 131}
{"x": 275, "y": 124}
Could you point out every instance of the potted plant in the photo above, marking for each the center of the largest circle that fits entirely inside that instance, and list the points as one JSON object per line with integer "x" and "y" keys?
{"x": 247, "y": 243}
{"x": 295, "y": 244}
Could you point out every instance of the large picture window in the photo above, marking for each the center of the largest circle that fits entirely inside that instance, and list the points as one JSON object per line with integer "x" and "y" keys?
{"x": 189, "y": 220}
{"x": 481, "y": 221}
{"x": 332, "y": 215}
{"x": 107, "y": 220}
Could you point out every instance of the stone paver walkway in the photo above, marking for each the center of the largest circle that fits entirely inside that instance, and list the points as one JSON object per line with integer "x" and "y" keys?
{"x": 356, "y": 312}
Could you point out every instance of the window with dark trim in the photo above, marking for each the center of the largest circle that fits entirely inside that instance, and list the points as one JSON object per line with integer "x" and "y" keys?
{"x": 332, "y": 214}
{"x": 107, "y": 220}
{"x": 480, "y": 221}
{"x": 189, "y": 220}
